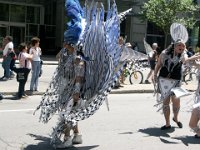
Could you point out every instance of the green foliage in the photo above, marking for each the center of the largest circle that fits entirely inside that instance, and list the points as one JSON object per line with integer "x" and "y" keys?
{"x": 165, "y": 12}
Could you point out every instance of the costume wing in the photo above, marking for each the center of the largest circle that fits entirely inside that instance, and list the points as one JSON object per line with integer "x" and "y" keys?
{"x": 130, "y": 54}
{"x": 58, "y": 95}
{"x": 99, "y": 69}
{"x": 147, "y": 47}
{"x": 100, "y": 44}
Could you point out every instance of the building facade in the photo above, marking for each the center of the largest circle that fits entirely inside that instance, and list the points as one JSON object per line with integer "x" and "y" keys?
{"x": 24, "y": 19}
{"x": 46, "y": 19}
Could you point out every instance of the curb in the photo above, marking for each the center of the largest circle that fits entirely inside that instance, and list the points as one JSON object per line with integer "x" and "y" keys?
{"x": 50, "y": 63}
{"x": 131, "y": 91}
{"x": 112, "y": 92}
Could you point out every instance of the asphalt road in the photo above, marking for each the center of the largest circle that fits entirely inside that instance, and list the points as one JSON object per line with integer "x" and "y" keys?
{"x": 131, "y": 124}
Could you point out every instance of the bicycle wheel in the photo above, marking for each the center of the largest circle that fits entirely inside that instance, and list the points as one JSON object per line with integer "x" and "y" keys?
{"x": 190, "y": 78}
{"x": 136, "y": 77}
{"x": 126, "y": 78}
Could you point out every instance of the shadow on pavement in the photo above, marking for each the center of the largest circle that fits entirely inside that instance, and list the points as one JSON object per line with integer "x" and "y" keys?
{"x": 156, "y": 132}
{"x": 45, "y": 144}
{"x": 126, "y": 133}
{"x": 188, "y": 140}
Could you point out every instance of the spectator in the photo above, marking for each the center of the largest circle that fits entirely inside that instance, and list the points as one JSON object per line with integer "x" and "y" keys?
{"x": 7, "y": 57}
{"x": 25, "y": 67}
{"x": 35, "y": 50}
{"x": 122, "y": 77}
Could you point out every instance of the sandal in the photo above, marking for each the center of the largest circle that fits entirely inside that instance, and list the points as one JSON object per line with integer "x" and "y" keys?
{"x": 165, "y": 127}
{"x": 180, "y": 125}
{"x": 196, "y": 136}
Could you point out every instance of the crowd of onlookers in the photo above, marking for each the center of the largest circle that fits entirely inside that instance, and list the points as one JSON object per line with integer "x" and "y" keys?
{"x": 29, "y": 60}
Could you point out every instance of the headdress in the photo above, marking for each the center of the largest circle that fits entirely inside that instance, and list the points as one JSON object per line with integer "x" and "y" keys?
{"x": 74, "y": 27}
{"x": 179, "y": 33}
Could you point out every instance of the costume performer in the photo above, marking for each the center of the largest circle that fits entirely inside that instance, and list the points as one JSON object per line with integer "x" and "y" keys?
{"x": 87, "y": 67}
{"x": 169, "y": 67}
{"x": 195, "y": 116}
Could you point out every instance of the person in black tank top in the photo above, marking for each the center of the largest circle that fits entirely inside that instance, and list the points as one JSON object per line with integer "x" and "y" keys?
{"x": 169, "y": 69}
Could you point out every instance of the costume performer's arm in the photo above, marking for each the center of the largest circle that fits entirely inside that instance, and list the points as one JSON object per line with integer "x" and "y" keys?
{"x": 194, "y": 57}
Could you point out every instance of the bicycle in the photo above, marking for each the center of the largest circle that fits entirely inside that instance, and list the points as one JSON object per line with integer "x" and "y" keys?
{"x": 189, "y": 75}
{"x": 133, "y": 73}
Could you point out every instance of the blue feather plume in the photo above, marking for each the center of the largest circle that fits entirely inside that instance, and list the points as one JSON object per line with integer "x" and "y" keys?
{"x": 74, "y": 27}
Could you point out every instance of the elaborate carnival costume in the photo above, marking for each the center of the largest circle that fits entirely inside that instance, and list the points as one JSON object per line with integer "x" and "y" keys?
{"x": 94, "y": 64}
{"x": 196, "y": 107}
{"x": 195, "y": 116}
{"x": 170, "y": 74}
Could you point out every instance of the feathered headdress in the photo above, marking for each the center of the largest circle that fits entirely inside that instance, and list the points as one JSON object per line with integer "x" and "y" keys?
{"x": 179, "y": 33}
{"x": 74, "y": 27}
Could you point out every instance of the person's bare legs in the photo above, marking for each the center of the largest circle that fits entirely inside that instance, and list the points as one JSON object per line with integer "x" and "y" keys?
{"x": 66, "y": 131}
{"x": 176, "y": 107}
{"x": 166, "y": 111}
{"x": 77, "y": 139}
{"x": 75, "y": 129}
{"x": 149, "y": 75}
{"x": 67, "y": 138}
{"x": 194, "y": 119}
{"x": 122, "y": 77}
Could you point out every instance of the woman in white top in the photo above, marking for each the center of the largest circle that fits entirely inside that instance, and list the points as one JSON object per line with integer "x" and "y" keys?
{"x": 7, "y": 58}
{"x": 35, "y": 50}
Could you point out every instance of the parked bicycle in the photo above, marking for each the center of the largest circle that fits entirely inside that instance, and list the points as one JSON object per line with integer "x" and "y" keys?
{"x": 133, "y": 73}
{"x": 189, "y": 74}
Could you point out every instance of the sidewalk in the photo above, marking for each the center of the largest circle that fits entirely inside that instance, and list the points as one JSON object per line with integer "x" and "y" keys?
{"x": 10, "y": 87}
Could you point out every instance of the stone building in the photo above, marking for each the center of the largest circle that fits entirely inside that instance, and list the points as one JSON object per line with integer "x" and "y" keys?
{"x": 24, "y": 19}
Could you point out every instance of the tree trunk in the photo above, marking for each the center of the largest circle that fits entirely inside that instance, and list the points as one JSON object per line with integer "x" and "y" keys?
{"x": 166, "y": 40}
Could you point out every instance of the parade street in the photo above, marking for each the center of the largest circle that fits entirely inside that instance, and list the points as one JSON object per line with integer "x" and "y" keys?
{"x": 132, "y": 123}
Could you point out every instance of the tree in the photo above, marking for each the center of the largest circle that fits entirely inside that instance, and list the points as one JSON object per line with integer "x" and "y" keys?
{"x": 165, "y": 12}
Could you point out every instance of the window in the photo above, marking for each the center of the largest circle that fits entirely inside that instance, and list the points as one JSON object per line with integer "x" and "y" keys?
{"x": 155, "y": 35}
{"x": 50, "y": 31}
{"x": 50, "y": 13}
{"x": 17, "y": 13}
{"x": 33, "y": 30}
{"x": 33, "y": 15}
{"x": 4, "y": 12}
